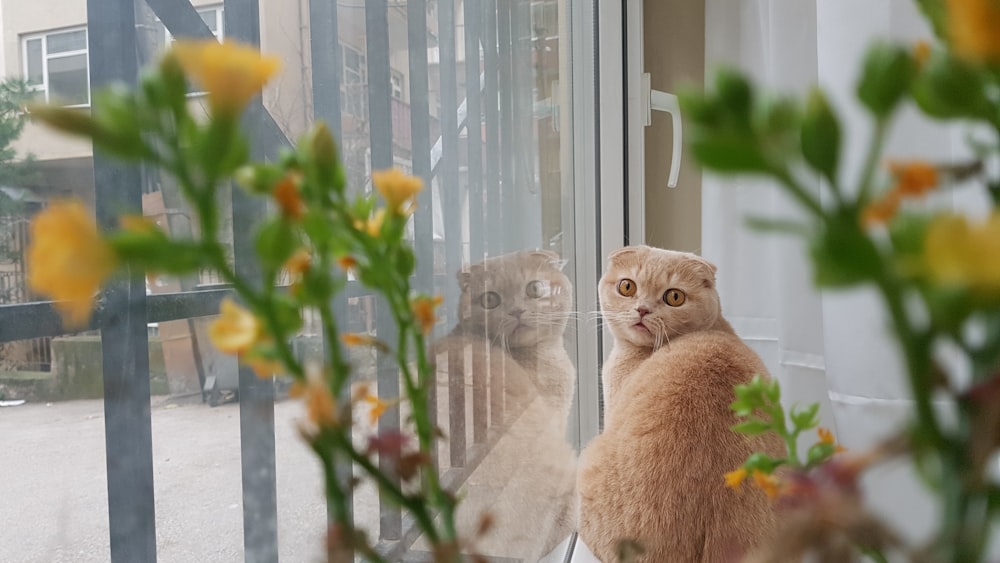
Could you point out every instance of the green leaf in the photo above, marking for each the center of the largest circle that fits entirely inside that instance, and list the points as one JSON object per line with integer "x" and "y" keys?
{"x": 885, "y": 78}
{"x": 773, "y": 391}
{"x": 158, "y": 254}
{"x": 735, "y": 94}
{"x": 949, "y": 87}
{"x": 805, "y": 419}
{"x": 936, "y": 13}
{"x": 406, "y": 262}
{"x": 729, "y": 153}
{"x": 843, "y": 255}
{"x": 820, "y": 136}
{"x": 752, "y": 427}
{"x": 276, "y": 241}
{"x": 321, "y": 150}
{"x": 762, "y": 462}
{"x": 258, "y": 178}
{"x": 819, "y": 453}
{"x": 699, "y": 108}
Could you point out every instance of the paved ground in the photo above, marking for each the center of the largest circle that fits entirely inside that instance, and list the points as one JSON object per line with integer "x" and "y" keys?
{"x": 53, "y": 488}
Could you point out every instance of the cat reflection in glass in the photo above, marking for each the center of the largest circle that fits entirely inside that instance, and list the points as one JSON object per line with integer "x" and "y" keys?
{"x": 512, "y": 318}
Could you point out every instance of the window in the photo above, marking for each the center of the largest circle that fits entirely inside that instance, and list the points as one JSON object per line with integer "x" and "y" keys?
{"x": 353, "y": 82}
{"x": 396, "y": 82}
{"x": 212, "y": 17}
{"x": 56, "y": 66}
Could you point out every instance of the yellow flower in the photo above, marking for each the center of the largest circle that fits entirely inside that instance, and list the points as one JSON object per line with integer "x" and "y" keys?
{"x": 768, "y": 483}
{"x": 957, "y": 252}
{"x": 397, "y": 189}
{"x": 972, "y": 29}
{"x": 68, "y": 260}
{"x": 372, "y": 226}
{"x": 231, "y": 73}
{"x": 236, "y": 331}
{"x": 914, "y": 178}
{"x": 262, "y": 367}
{"x": 735, "y": 478}
{"x": 289, "y": 199}
{"x": 138, "y": 224}
{"x": 321, "y": 409}
{"x": 423, "y": 311}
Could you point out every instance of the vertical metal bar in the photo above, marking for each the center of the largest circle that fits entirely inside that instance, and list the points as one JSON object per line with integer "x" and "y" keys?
{"x": 451, "y": 201}
{"x": 494, "y": 195}
{"x": 260, "y": 506}
{"x": 324, "y": 45}
{"x": 380, "y": 124}
{"x": 507, "y": 126}
{"x": 474, "y": 134}
{"x": 526, "y": 197}
{"x": 122, "y": 317}
{"x": 420, "y": 135}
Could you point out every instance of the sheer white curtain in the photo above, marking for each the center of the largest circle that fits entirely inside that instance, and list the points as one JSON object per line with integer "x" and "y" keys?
{"x": 831, "y": 347}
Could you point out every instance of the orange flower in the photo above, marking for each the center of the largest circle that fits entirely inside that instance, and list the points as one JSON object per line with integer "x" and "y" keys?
{"x": 355, "y": 339}
{"x": 921, "y": 52}
{"x": 298, "y": 263}
{"x": 825, "y": 436}
{"x": 321, "y": 409}
{"x": 286, "y": 193}
{"x": 232, "y": 73}
{"x": 972, "y": 29}
{"x": 735, "y": 478}
{"x": 236, "y": 330}
{"x": 881, "y": 210}
{"x": 768, "y": 483}
{"x": 378, "y": 407}
{"x": 68, "y": 260}
{"x": 423, "y": 310}
{"x": 397, "y": 189}
{"x": 347, "y": 262}
{"x": 914, "y": 178}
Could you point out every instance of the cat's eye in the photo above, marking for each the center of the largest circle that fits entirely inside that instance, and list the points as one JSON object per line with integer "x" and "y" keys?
{"x": 626, "y": 287}
{"x": 674, "y": 297}
{"x": 536, "y": 289}
{"x": 490, "y": 300}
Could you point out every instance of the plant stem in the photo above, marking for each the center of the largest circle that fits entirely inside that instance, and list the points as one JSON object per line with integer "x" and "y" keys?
{"x": 865, "y": 185}
{"x": 798, "y": 191}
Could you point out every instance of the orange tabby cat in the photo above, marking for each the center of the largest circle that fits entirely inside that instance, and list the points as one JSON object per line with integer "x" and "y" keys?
{"x": 655, "y": 474}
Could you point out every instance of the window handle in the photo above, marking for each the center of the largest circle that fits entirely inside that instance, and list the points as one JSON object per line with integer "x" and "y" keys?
{"x": 654, "y": 100}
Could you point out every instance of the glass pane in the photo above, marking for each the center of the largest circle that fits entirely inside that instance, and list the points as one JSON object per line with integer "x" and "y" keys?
{"x": 66, "y": 41}
{"x": 68, "y": 81}
{"x": 209, "y": 17}
{"x": 33, "y": 56}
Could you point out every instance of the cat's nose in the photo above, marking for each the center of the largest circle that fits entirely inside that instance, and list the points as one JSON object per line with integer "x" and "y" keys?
{"x": 516, "y": 313}
{"x": 642, "y": 311}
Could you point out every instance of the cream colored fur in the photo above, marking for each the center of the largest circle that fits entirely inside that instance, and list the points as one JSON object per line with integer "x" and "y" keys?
{"x": 527, "y": 483}
{"x": 655, "y": 474}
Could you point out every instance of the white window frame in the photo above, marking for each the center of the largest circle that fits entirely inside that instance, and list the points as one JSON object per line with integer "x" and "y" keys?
{"x": 397, "y": 82}
{"x": 43, "y": 38}
{"x": 168, "y": 38}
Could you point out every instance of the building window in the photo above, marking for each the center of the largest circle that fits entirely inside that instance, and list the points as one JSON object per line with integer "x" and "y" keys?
{"x": 354, "y": 82}
{"x": 56, "y": 66}
{"x": 212, "y": 17}
{"x": 396, "y": 80}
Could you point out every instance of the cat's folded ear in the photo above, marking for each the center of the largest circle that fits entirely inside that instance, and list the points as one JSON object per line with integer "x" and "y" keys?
{"x": 708, "y": 270}
{"x": 550, "y": 257}
{"x": 625, "y": 253}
